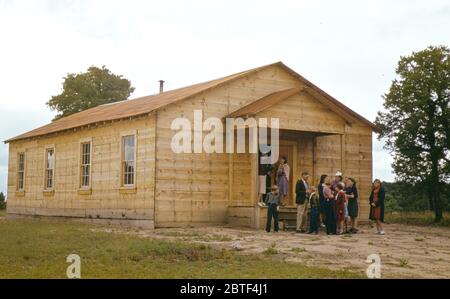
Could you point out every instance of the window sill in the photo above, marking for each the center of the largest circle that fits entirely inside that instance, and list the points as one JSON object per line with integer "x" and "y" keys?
{"x": 49, "y": 192}
{"x": 20, "y": 193}
{"x": 127, "y": 190}
{"x": 85, "y": 191}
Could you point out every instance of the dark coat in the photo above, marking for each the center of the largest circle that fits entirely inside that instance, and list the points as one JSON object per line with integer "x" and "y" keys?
{"x": 321, "y": 199}
{"x": 300, "y": 192}
{"x": 381, "y": 195}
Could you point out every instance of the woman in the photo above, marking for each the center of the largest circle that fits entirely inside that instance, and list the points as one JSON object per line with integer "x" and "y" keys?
{"x": 377, "y": 205}
{"x": 352, "y": 202}
{"x": 340, "y": 208}
{"x": 322, "y": 199}
{"x": 283, "y": 178}
{"x": 330, "y": 216}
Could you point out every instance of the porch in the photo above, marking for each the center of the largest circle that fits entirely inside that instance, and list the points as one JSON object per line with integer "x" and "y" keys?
{"x": 314, "y": 152}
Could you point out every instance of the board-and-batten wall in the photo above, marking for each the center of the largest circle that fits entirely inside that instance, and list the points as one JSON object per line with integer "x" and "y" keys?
{"x": 195, "y": 188}
{"x": 184, "y": 189}
{"x": 105, "y": 200}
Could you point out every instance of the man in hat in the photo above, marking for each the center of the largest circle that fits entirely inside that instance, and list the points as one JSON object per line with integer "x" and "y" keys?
{"x": 338, "y": 178}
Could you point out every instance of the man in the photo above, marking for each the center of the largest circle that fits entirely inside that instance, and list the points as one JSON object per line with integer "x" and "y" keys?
{"x": 264, "y": 179}
{"x": 301, "y": 191}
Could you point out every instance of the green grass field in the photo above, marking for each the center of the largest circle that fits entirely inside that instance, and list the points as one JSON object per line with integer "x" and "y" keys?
{"x": 416, "y": 218}
{"x": 37, "y": 249}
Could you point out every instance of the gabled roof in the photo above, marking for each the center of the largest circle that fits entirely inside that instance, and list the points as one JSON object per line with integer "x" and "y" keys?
{"x": 144, "y": 105}
{"x": 264, "y": 102}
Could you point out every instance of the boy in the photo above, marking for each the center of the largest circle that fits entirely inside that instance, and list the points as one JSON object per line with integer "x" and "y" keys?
{"x": 273, "y": 201}
{"x": 314, "y": 212}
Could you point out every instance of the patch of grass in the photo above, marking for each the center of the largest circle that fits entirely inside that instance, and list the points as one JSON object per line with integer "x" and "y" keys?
{"x": 38, "y": 249}
{"x": 271, "y": 250}
{"x": 419, "y": 239}
{"x": 425, "y": 218}
{"x": 298, "y": 249}
{"x": 370, "y": 243}
{"x": 403, "y": 262}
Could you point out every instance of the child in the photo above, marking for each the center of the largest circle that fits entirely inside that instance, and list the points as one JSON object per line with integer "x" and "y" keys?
{"x": 377, "y": 205}
{"x": 273, "y": 201}
{"x": 340, "y": 207}
{"x": 314, "y": 205}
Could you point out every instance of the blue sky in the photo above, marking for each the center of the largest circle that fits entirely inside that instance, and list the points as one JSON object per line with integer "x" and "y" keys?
{"x": 348, "y": 48}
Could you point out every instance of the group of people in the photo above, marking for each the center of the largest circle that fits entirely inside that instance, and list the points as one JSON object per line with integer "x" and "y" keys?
{"x": 332, "y": 205}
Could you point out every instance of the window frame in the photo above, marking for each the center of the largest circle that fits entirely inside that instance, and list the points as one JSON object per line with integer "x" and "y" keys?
{"x": 122, "y": 160}
{"x": 81, "y": 165}
{"x": 47, "y": 149}
{"x": 23, "y": 171}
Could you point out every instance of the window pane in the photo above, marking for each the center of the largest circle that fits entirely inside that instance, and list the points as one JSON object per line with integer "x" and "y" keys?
{"x": 50, "y": 164}
{"x": 49, "y": 159}
{"x": 20, "y": 171}
{"x": 128, "y": 142}
{"x": 129, "y": 150}
{"x": 85, "y": 164}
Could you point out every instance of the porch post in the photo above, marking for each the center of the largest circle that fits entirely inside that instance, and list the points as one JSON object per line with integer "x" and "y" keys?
{"x": 314, "y": 158}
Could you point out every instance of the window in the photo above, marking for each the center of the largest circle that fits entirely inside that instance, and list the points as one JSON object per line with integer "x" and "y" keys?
{"x": 85, "y": 171}
{"x": 21, "y": 172}
{"x": 128, "y": 160}
{"x": 49, "y": 168}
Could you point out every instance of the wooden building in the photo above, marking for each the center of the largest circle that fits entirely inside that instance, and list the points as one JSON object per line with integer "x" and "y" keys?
{"x": 115, "y": 163}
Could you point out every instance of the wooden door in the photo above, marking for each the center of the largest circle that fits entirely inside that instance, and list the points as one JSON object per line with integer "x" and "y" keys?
{"x": 287, "y": 150}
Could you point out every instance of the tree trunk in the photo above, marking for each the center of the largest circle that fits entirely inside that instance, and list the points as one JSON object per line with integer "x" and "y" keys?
{"x": 435, "y": 190}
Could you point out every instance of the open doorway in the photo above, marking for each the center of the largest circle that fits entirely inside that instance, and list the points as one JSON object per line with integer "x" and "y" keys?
{"x": 288, "y": 149}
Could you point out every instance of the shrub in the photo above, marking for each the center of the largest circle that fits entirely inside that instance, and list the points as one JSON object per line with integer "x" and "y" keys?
{"x": 2, "y": 201}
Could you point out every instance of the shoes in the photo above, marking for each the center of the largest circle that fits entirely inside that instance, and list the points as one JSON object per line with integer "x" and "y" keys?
{"x": 261, "y": 204}
{"x": 322, "y": 225}
{"x": 381, "y": 232}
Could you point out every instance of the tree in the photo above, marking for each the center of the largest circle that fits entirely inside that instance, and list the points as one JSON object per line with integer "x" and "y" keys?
{"x": 416, "y": 123}
{"x": 95, "y": 87}
{"x": 2, "y": 201}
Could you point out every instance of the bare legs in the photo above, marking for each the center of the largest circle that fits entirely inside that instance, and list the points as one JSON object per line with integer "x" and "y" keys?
{"x": 379, "y": 226}
{"x": 353, "y": 224}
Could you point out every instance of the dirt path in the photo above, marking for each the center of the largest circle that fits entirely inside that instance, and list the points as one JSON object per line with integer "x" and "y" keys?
{"x": 405, "y": 251}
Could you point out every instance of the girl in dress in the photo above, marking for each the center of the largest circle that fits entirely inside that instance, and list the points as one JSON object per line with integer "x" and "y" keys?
{"x": 352, "y": 202}
{"x": 340, "y": 207}
{"x": 283, "y": 178}
{"x": 377, "y": 205}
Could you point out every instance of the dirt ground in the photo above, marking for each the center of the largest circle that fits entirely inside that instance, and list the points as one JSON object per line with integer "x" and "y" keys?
{"x": 405, "y": 251}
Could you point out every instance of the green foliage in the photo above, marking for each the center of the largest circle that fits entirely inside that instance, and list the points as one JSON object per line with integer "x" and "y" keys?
{"x": 404, "y": 196}
{"x": 416, "y": 121}
{"x": 2, "y": 201}
{"x": 97, "y": 86}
